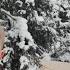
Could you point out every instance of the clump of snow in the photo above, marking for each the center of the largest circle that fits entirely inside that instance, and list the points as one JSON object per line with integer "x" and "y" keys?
{"x": 8, "y": 50}
{"x": 24, "y": 61}
{"x": 23, "y": 46}
{"x": 30, "y": 1}
{"x": 38, "y": 18}
{"x": 33, "y": 67}
{"x": 65, "y": 57}
{"x": 22, "y": 11}
{"x": 46, "y": 56}
{"x": 20, "y": 3}
{"x": 13, "y": 33}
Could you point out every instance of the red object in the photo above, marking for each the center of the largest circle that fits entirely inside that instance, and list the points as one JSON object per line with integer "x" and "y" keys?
{"x": 2, "y": 53}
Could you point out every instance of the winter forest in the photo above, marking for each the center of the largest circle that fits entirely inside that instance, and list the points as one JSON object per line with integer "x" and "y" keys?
{"x": 35, "y": 30}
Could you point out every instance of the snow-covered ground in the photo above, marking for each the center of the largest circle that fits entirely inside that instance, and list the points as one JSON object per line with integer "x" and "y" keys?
{"x": 36, "y": 32}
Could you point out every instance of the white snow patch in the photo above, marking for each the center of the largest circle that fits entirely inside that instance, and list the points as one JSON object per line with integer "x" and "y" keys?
{"x": 24, "y": 61}
{"x": 65, "y": 57}
{"x": 46, "y": 57}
